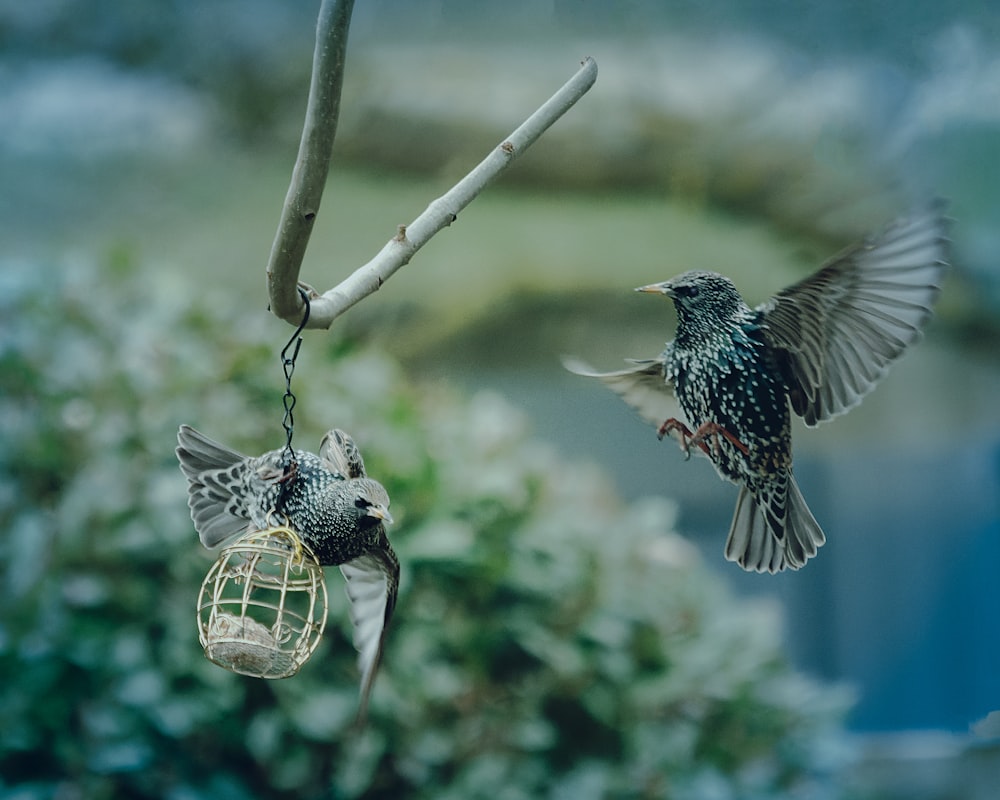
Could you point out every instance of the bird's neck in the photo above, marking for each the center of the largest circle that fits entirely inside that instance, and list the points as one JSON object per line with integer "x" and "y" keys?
{"x": 716, "y": 334}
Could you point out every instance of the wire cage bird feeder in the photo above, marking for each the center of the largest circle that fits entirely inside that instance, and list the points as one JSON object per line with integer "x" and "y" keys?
{"x": 263, "y": 605}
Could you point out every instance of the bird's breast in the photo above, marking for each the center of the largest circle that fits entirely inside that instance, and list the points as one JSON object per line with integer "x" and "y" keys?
{"x": 735, "y": 387}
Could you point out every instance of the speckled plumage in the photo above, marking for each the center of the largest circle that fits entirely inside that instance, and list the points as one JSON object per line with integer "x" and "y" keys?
{"x": 327, "y": 499}
{"x": 729, "y": 380}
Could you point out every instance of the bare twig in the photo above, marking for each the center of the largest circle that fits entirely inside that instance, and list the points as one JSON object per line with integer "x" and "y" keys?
{"x": 313, "y": 162}
{"x": 443, "y": 211}
{"x": 312, "y": 165}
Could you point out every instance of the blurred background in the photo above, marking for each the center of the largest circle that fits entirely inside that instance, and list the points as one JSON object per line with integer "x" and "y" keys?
{"x": 567, "y": 625}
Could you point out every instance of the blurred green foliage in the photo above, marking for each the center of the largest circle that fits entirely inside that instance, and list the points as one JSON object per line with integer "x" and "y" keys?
{"x": 549, "y": 640}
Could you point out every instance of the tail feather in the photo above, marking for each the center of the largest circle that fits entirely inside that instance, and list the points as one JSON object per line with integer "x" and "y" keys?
{"x": 771, "y": 533}
{"x": 214, "y": 473}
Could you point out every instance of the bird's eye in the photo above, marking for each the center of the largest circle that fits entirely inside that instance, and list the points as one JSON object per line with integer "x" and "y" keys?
{"x": 362, "y": 502}
{"x": 691, "y": 291}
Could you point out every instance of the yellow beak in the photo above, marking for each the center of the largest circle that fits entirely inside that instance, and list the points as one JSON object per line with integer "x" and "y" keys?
{"x": 654, "y": 288}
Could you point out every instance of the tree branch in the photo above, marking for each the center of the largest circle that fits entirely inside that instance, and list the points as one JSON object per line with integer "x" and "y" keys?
{"x": 444, "y": 210}
{"x": 313, "y": 163}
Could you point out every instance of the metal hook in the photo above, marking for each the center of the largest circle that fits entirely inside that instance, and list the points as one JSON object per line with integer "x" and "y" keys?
{"x": 295, "y": 336}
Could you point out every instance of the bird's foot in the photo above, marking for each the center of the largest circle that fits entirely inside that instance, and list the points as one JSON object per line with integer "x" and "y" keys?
{"x": 685, "y": 439}
{"x": 290, "y": 472}
{"x": 713, "y": 430}
{"x": 297, "y": 549}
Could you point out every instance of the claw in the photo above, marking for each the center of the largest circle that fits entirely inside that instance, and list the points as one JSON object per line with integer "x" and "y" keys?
{"x": 290, "y": 472}
{"x": 713, "y": 430}
{"x": 706, "y": 431}
{"x": 686, "y": 437}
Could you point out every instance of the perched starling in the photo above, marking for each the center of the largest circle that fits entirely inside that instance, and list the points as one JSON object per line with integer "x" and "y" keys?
{"x": 328, "y": 500}
{"x": 726, "y": 381}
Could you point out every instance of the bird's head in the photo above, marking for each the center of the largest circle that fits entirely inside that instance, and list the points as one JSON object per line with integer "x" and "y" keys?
{"x": 704, "y": 300}
{"x": 371, "y": 501}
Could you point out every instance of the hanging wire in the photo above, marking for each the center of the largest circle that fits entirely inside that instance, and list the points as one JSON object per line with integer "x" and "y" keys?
{"x": 288, "y": 401}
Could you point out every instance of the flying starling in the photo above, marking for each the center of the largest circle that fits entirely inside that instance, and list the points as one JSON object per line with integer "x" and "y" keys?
{"x": 727, "y": 380}
{"x": 327, "y": 499}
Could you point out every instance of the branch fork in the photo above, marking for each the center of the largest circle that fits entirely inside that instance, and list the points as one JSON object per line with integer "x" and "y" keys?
{"x": 312, "y": 166}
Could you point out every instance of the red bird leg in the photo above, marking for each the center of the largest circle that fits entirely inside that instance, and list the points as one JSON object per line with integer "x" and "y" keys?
{"x": 713, "y": 430}
{"x": 290, "y": 473}
{"x": 674, "y": 424}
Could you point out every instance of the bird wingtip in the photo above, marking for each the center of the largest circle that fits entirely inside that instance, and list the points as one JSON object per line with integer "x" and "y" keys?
{"x": 577, "y": 366}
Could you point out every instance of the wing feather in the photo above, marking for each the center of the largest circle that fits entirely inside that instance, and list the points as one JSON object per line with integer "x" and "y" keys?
{"x": 341, "y": 454}
{"x": 842, "y": 327}
{"x": 372, "y": 583}
{"x": 642, "y": 385}
{"x": 214, "y": 474}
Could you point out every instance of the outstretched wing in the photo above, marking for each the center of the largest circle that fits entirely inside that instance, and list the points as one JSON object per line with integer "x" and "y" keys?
{"x": 840, "y": 329}
{"x": 215, "y": 475}
{"x": 372, "y": 583}
{"x": 341, "y": 454}
{"x": 642, "y": 385}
